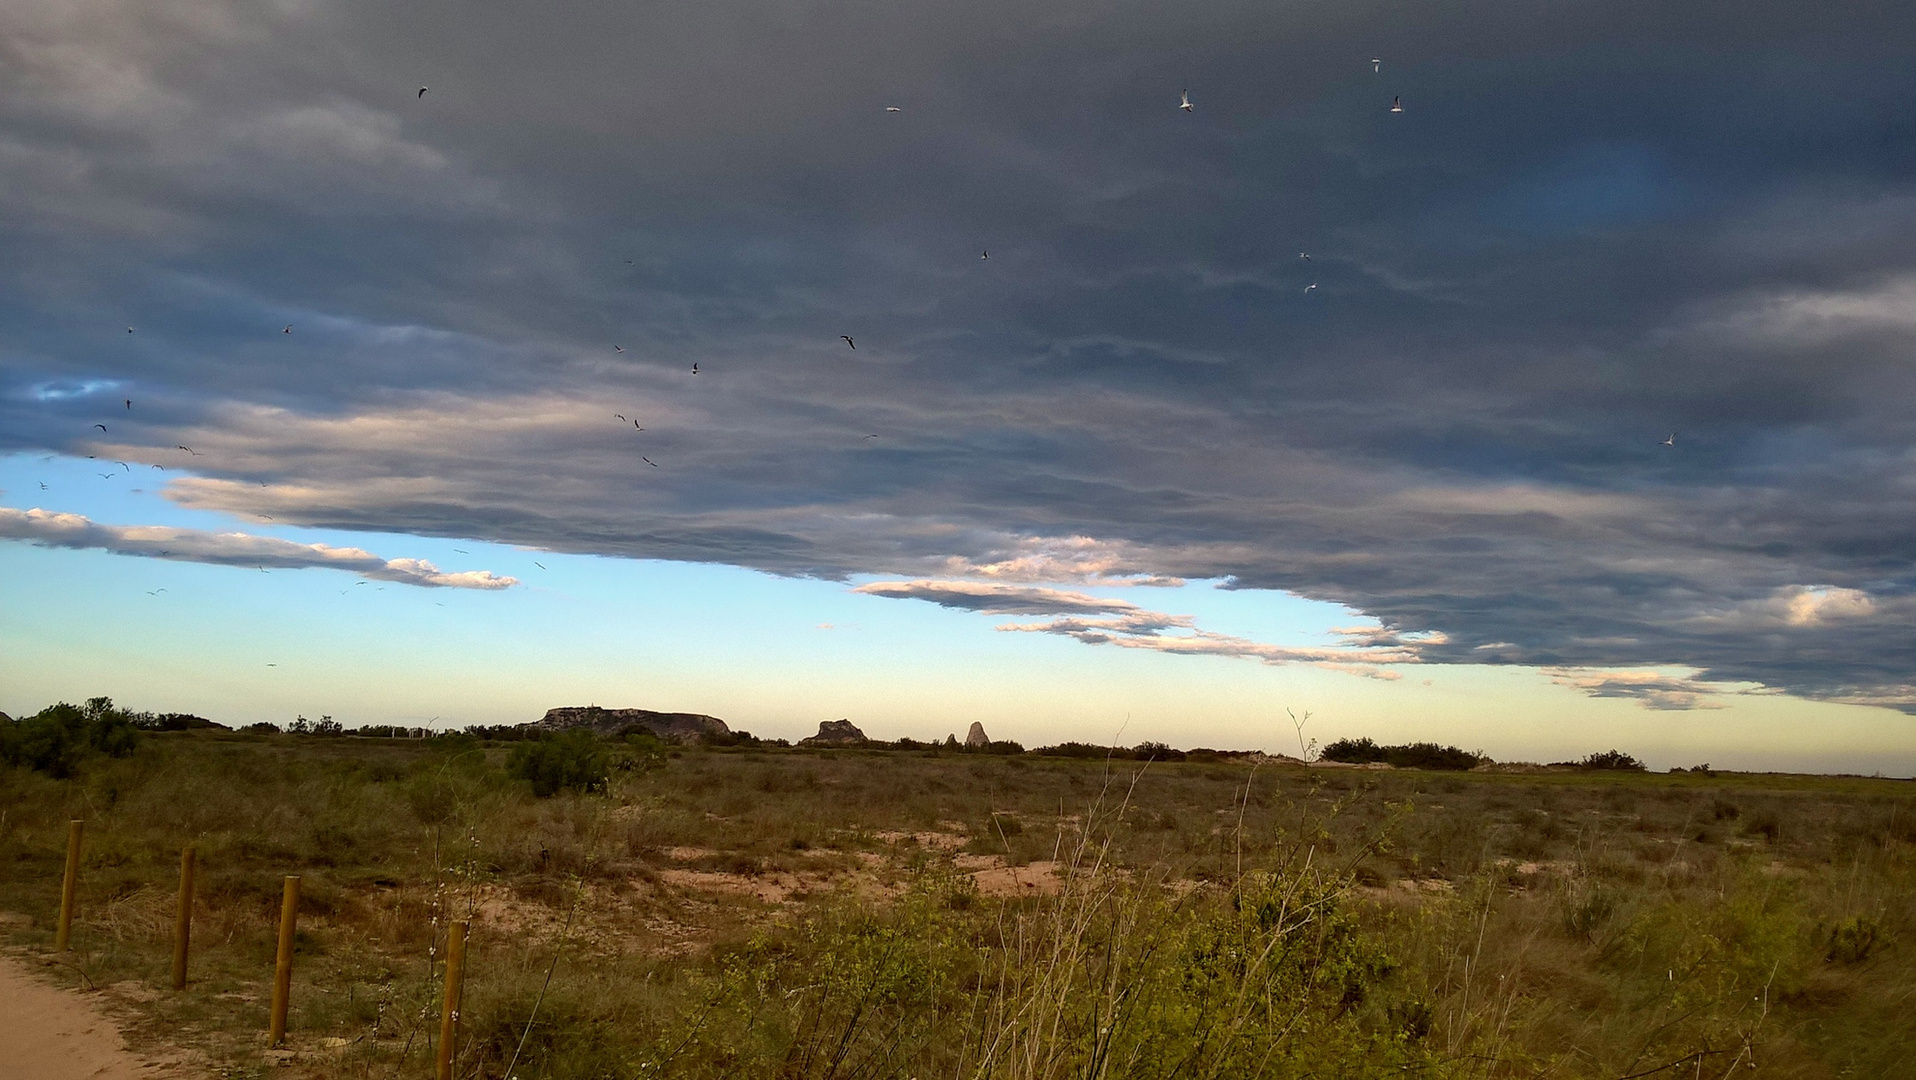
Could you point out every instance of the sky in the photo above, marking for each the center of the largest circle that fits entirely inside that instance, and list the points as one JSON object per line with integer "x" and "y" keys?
{"x": 1568, "y": 407}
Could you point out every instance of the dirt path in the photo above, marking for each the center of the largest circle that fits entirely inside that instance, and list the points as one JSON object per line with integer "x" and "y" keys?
{"x": 47, "y": 1033}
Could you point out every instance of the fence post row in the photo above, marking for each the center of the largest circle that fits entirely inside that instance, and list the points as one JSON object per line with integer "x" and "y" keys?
{"x": 283, "y": 967}
{"x": 283, "y": 964}
{"x": 63, "y": 935}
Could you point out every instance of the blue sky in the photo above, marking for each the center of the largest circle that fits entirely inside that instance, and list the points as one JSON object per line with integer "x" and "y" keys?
{"x": 1567, "y": 408}
{"x": 772, "y": 654}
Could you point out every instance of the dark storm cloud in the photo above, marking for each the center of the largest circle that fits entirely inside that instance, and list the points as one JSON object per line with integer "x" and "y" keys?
{"x": 1592, "y": 226}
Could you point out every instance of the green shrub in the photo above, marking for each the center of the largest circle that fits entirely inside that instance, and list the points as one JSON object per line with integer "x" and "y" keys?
{"x": 1852, "y": 941}
{"x": 1609, "y": 760}
{"x": 58, "y": 738}
{"x": 570, "y": 760}
{"x": 1418, "y": 755}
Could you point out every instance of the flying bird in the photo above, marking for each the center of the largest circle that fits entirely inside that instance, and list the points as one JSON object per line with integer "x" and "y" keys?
{"x": 288, "y": 330}
{"x": 648, "y": 461}
{"x": 102, "y": 427}
{"x": 539, "y": 564}
{"x": 893, "y": 108}
{"x": 871, "y": 436}
{"x": 43, "y": 485}
{"x": 618, "y": 348}
{"x": 129, "y": 329}
{"x": 162, "y": 468}
{"x": 422, "y": 93}
{"x": 106, "y": 476}
{"x": 695, "y": 367}
{"x": 129, "y": 403}
{"x": 462, "y": 551}
{"x": 986, "y": 255}
{"x": 847, "y": 339}
{"x": 1396, "y": 104}
{"x": 635, "y": 424}
{"x": 1184, "y": 100}
{"x": 619, "y": 415}
{"x": 188, "y": 449}
{"x": 1671, "y": 441}
{"x": 1303, "y": 256}
{"x": 124, "y": 465}
{"x": 155, "y": 592}
{"x": 1376, "y": 65}
{"x": 1310, "y": 287}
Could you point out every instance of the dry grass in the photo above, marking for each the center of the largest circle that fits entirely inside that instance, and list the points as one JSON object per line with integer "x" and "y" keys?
{"x": 864, "y": 913}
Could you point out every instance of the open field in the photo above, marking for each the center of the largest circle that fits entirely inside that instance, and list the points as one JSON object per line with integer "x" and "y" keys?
{"x": 932, "y": 913}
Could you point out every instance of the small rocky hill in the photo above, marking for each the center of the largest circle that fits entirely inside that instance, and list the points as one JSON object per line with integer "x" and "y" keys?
{"x": 835, "y": 733}
{"x": 673, "y": 726}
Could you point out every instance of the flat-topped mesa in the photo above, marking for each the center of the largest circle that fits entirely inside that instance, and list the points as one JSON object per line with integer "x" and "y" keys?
{"x": 681, "y": 727}
{"x": 835, "y": 733}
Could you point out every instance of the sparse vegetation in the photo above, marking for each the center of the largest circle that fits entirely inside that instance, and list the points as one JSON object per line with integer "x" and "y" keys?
{"x": 922, "y": 912}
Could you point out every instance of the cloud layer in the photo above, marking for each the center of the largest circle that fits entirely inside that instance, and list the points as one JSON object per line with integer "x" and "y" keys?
{"x": 49, "y": 529}
{"x": 1592, "y": 229}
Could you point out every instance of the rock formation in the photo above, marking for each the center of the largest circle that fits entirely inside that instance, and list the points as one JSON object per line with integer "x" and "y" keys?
{"x": 835, "y": 733}
{"x": 976, "y": 737}
{"x": 672, "y": 726}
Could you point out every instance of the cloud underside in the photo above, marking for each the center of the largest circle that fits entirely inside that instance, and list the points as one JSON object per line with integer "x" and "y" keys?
{"x": 1527, "y": 282}
{"x": 231, "y": 549}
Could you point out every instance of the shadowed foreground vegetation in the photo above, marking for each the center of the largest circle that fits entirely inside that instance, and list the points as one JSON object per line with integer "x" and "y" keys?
{"x": 783, "y": 912}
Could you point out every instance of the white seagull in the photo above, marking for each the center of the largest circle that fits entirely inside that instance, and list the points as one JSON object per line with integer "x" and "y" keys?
{"x": 1671, "y": 441}
{"x": 1303, "y": 256}
{"x": 1312, "y": 286}
{"x": 1184, "y": 100}
{"x": 1396, "y": 104}
{"x": 1376, "y": 65}
{"x": 893, "y": 108}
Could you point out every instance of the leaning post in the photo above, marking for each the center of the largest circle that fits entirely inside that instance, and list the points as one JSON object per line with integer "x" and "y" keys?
{"x": 63, "y": 934}
{"x": 283, "y": 967}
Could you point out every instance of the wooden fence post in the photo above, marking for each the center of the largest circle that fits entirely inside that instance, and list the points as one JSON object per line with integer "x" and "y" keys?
{"x": 455, "y": 979}
{"x": 183, "y": 929}
{"x": 63, "y": 935}
{"x": 283, "y": 967}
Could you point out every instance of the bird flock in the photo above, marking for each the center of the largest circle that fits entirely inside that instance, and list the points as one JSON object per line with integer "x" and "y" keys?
{"x": 1184, "y": 105}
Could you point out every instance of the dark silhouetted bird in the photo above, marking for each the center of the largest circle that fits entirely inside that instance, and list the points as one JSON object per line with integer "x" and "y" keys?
{"x": 422, "y": 93}
{"x": 129, "y": 403}
{"x": 102, "y": 427}
{"x": 695, "y": 367}
{"x": 847, "y": 339}
{"x": 288, "y": 330}
{"x": 1397, "y": 104}
{"x": 648, "y": 461}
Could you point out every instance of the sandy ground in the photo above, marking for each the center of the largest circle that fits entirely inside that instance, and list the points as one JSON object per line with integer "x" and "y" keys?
{"x": 47, "y": 1033}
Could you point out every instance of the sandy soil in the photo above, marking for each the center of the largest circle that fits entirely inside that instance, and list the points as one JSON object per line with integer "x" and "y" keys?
{"x": 52, "y": 1034}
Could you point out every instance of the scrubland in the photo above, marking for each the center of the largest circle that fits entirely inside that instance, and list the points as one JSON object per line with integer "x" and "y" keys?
{"x": 863, "y": 913}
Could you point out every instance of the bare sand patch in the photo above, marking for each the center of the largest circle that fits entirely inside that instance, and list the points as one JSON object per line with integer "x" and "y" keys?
{"x": 47, "y": 1033}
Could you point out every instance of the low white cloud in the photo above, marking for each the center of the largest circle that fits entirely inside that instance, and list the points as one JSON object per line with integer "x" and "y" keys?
{"x": 1793, "y": 606}
{"x": 991, "y": 598}
{"x": 1096, "y": 620}
{"x": 50, "y": 529}
{"x": 1081, "y": 559}
{"x": 1650, "y": 689}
